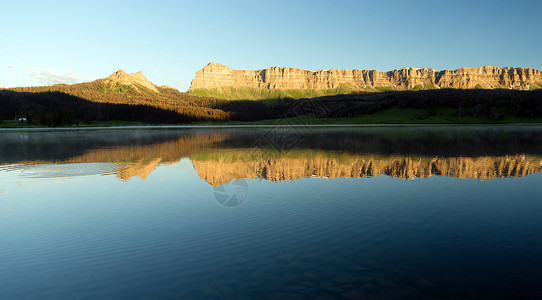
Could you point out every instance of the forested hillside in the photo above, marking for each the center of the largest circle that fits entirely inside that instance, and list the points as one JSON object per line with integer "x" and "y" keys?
{"x": 106, "y": 99}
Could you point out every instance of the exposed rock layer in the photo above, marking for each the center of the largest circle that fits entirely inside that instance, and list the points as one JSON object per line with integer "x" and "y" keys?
{"x": 216, "y": 76}
{"x": 135, "y": 80}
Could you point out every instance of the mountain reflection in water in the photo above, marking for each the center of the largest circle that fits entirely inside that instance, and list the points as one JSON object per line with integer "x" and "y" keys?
{"x": 222, "y": 156}
{"x": 184, "y": 233}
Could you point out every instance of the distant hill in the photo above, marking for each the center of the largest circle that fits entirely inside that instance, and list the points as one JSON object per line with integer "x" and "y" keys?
{"x": 216, "y": 80}
{"x": 120, "y": 88}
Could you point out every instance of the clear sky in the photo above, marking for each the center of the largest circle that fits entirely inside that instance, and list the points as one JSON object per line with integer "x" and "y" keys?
{"x": 46, "y": 42}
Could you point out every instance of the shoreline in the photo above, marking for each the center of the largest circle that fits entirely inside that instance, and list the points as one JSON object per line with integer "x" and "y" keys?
{"x": 257, "y": 126}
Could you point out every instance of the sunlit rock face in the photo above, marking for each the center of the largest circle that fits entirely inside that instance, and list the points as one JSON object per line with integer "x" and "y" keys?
{"x": 216, "y": 76}
{"x": 136, "y": 80}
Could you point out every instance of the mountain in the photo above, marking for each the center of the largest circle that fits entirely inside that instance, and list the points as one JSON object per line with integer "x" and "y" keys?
{"x": 217, "y": 80}
{"x": 134, "y": 92}
{"x": 132, "y": 97}
{"x": 135, "y": 80}
{"x": 120, "y": 84}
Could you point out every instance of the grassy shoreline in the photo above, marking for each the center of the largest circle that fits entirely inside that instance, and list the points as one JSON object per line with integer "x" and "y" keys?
{"x": 226, "y": 126}
{"x": 394, "y": 116}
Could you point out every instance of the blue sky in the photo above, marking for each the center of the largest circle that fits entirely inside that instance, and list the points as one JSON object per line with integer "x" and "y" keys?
{"x": 46, "y": 42}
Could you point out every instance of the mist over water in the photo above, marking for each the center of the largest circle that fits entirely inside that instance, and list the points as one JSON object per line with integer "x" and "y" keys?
{"x": 290, "y": 213}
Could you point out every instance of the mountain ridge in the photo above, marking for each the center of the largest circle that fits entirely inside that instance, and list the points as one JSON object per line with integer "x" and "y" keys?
{"x": 127, "y": 95}
{"x": 216, "y": 79}
{"x": 132, "y": 97}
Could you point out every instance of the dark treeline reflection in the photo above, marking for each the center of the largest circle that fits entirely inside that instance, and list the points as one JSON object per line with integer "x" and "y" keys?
{"x": 432, "y": 141}
{"x": 285, "y": 153}
{"x": 23, "y": 146}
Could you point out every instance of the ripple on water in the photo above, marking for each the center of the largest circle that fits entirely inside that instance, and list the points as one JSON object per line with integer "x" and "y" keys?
{"x": 46, "y": 171}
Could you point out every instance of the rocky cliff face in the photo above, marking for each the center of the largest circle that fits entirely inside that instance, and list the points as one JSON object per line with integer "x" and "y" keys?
{"x": 135, "y": 80}
{"x": 217, "y": 76}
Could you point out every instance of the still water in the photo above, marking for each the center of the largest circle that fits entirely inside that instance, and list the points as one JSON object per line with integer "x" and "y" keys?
{"x": 272, "y": 213}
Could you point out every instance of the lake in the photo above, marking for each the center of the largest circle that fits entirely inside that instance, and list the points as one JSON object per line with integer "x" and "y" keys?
{"x": 272, "y": 213}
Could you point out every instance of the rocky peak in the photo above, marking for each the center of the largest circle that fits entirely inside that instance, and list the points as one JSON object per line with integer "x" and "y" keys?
{"x": 213, "y": 68}
{"x": 169, "y": 87}
{"x": 214, "y": 64}
{"x": 135, "y": 80}
{"x": 119, "y": 73}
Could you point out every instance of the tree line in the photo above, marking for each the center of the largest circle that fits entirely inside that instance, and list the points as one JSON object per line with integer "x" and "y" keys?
{"x": 60, "y": 109}
{"x": 62, "y": 105}
{"x": 52, "y": 99}
{"x": 473, "y": 102}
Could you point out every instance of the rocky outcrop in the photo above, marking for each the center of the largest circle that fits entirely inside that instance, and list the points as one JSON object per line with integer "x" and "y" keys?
{"x": 217, "y": 76}
{"x": 136, "y": 80}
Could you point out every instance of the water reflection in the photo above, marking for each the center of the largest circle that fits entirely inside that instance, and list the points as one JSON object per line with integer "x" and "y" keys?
{"x": 222, "y": 156}
{"x": 56, "y": 170}
{"x": 157, "y": 225}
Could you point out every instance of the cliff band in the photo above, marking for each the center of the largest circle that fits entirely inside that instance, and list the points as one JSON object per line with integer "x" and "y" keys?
{"x": 217, "y": 76}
